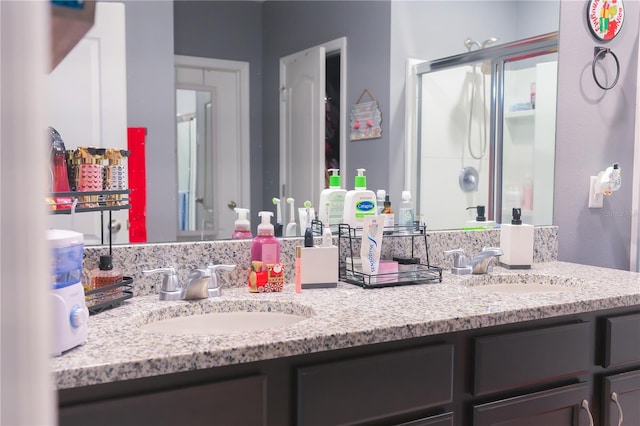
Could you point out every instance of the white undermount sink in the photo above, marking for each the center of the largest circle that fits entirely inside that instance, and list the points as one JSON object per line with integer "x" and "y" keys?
{"x": 224, "y": 317}
{"x": 522, "y": 283}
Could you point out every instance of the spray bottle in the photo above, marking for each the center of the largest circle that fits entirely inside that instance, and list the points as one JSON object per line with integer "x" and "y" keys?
{"x": 242, "y": 226}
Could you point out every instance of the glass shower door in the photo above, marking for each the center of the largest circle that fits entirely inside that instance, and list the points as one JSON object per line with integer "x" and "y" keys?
{"x": 528, "y": 137}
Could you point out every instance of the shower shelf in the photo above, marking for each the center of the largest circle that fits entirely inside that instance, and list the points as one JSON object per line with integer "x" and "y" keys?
{"x": 520, "y": 114}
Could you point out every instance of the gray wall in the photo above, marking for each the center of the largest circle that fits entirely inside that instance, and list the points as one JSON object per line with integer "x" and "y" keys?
{"x": 594, "y": 129}
{"x": 290, "y": 27}
{"x": 150, "y": 104}
{"x": 229, "y": 30}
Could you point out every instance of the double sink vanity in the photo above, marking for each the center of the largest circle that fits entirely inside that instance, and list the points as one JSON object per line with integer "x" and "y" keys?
{"x": 557, "y": 344}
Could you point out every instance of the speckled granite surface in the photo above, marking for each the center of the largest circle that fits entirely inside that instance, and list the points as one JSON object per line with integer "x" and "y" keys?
{"x": 118, "y": 348}
{"x": 135, "y": 258}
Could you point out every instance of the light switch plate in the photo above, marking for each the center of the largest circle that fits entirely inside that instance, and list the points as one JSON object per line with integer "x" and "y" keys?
{"x": 595, "y": 200}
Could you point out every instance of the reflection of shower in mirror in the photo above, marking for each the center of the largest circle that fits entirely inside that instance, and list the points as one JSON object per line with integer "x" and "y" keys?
{"x": 485, "y": 70}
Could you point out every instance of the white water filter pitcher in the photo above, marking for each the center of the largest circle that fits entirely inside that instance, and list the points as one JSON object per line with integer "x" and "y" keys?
{"x": 68, "y": 308}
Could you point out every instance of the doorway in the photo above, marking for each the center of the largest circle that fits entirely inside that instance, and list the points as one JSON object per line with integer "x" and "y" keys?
{"x": 312, "y": 117}
{"x": 212, "y": 145}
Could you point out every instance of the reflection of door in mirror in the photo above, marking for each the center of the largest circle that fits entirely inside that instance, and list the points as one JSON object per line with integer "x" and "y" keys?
{"x": 311, "y": 112}
{"x": 528, "y": 138}
{"x": 212, "y": 146}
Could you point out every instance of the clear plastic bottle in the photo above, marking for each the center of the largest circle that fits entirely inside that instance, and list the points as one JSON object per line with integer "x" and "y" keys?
{"x": 389, "y": 216}
{"x": 406, "y": 212}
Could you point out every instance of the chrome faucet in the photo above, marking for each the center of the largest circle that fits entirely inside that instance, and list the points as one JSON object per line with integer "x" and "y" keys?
{"x": 478, "y": 264}
{"x": 200, "y": 283}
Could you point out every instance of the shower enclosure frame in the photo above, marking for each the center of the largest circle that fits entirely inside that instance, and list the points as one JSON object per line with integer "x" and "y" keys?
{"x": 498, "y": 55}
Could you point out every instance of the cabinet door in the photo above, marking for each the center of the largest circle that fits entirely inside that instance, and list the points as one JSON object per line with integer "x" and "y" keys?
{"x": 556, "y": 407}
{"x": 621, "y": 399}
{"x": 239, "y": 402}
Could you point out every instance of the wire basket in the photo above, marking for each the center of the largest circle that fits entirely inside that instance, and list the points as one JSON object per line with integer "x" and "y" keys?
{"x": 110, "y": 296}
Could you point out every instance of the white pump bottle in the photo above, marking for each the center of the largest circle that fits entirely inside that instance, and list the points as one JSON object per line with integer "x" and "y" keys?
{"x": 359, "y": 202}
{"x": 333, "y": 215}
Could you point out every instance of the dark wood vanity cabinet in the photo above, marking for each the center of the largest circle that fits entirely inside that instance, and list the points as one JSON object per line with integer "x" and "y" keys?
{"x": 552, "y": 372}
{"x": 620, "y": 392}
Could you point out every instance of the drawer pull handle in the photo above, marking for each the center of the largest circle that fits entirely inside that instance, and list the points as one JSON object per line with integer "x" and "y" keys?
{"x": 585, "y": 406}
{"x": 614, "y": 398}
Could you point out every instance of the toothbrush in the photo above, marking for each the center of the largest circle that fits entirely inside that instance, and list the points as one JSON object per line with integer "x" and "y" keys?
{"x": 308, "y": 235}
{"x": 307, "y": 205}
{"x": 278, "y": 225}
{"x": 327, "y": 237}
{"x": 291, "y": 230}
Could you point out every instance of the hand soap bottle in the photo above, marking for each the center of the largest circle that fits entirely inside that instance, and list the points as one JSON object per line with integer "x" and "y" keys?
{"x": 334, "y": 195}
{"x": 265, "y": 247}
{"x": 359, "y": 202}
{"x": 242, "y": 226}
{"x": 516, "y": 242}
{"x": 481, "y": 221}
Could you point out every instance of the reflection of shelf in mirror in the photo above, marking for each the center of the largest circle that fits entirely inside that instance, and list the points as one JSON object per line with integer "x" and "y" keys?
{"x": 520, "y": 114}
{"x": 87, "y": 202}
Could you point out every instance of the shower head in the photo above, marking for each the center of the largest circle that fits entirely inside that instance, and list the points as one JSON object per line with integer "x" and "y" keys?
{"x": 488, "y": 41}
{"x": 470, "y": 43}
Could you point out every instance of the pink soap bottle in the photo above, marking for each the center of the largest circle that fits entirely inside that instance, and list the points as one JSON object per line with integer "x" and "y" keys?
{"x": 242, "y": 226}
{"x": 265, "y": 247}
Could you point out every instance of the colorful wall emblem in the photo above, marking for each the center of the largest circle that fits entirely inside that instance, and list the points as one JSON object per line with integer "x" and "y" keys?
{"x": 605, "y": 17}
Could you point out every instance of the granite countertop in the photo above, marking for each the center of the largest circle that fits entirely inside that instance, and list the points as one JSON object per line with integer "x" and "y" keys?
{"x": 118, "y": 349}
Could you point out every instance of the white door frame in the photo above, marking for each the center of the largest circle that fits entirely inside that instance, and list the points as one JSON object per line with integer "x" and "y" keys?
{"x": 335, "y": 46}
{"x": 241, "y": 68}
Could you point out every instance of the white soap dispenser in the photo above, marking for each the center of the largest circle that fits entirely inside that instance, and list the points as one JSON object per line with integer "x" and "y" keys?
{"x": 516, "y": 242}
{"x": 359, "y": 202}
{"x": 480, "y": 222}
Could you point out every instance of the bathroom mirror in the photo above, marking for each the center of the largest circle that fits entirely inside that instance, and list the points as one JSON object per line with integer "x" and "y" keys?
{"x": 405, "y": 31}
{"x": 488, "y": 133}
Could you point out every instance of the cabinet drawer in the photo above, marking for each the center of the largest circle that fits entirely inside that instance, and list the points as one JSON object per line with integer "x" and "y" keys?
{"x": 231, "y": 402}
{"x": 561, "y": 406}
{"x": 512, "y": 360}
{"x": 374, "y": 387}
{"x": 622, "y": 340}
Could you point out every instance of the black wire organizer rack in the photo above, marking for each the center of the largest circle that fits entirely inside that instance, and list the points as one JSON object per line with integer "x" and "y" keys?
{"x": 419, "y": 273}
{"x": 105, "y": 202}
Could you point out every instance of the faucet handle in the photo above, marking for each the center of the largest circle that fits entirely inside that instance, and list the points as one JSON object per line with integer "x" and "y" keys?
{"x": 170, "y": 289}
{"x": 459, "y": 259}
{"x": 460, "y": 266}
{"x": 214, "y": 287}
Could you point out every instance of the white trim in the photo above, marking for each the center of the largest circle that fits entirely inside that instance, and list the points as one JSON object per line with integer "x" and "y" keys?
{"x": 635, "y": 189}
{"x": 241, "y": 68}
{"x": 411, "y": 125}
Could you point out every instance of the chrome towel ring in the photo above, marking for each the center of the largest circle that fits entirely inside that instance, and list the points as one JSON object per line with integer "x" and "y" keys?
{"x": 598, "y": 54}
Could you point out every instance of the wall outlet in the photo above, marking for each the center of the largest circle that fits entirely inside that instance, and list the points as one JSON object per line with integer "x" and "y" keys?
{"x": 595, "y": 200}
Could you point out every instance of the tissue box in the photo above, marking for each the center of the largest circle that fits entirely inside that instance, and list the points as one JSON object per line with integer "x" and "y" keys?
{"x": 319, "y": 267}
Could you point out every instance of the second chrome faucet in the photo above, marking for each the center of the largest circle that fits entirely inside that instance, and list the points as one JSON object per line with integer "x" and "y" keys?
{"x": 200, "y": 283}
{"x": 477, "y": 264}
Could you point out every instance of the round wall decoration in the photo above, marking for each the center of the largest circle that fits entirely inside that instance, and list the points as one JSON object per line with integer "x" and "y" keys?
{"x": 604, "y": 18}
